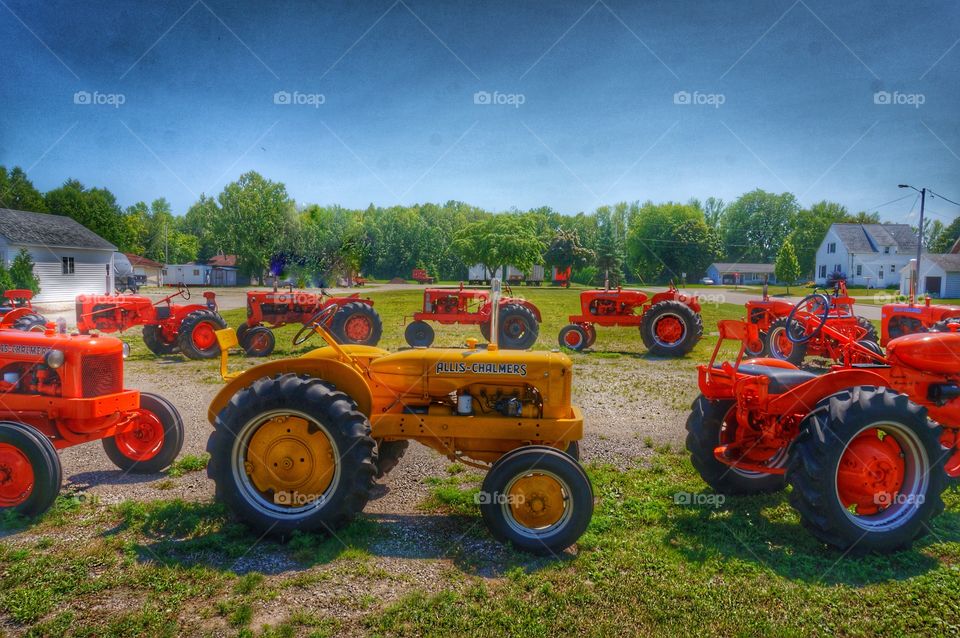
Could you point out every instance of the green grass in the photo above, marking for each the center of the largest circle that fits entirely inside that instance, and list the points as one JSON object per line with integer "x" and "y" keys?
{"x": 188, "y": 463}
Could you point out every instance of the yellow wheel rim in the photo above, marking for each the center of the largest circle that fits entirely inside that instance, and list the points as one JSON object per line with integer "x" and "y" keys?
{"x": 537, "y": 501}
{"x": 289, "y": 458}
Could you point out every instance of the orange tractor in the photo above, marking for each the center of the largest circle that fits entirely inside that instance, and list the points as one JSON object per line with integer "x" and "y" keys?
{"x": 354, "y": 320}
{"x": 518, "y": 319}
{"x": 867, "y": 447}
{"x": 167, "y": 327}
{"x": 18, "y": 313}
{"x": 898, "y": 319}
{"x": 62, "y": 390}
{"x": 669, "y": 322}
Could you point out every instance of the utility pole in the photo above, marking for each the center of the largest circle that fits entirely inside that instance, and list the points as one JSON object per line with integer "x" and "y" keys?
{"x": 923, "y": 200}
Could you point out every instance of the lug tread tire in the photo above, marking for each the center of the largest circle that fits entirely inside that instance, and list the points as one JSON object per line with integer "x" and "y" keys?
{"x": 871, "y": 330}
{"x": 153, "y": 339}
{"x": 30, "y": 323}
{"x": 530, "y": 333}
{"x": 389, "y": 454}
{"x": 338, "y": 325}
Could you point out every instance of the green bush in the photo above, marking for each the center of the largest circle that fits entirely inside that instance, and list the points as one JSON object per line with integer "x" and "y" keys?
{"x": 21, "y": 272}
{"x": 586, "y": 276}
{"x": 6, "y": 282}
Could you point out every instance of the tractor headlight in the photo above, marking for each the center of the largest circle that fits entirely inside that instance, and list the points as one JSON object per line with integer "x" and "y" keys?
{"x": 55, "y": 358}
{"x": 125, "y": 349}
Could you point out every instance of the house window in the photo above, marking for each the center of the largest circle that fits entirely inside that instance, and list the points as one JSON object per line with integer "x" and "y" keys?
{"x": 859, "y": 270}
{"x": 68, "y": 265}
{"x": 886, "y": 250}
{"x": 164, "y": 271}
{"x": 196, "y": 272}
{"x": 836, "y": 268}
{"x": 823, "y": 270}
{"x": 831, "y": 248}
{"x": 893, "y": 268}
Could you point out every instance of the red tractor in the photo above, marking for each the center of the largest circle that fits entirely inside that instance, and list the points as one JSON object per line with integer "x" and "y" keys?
{"x": 18, "y": 313}
{"x": 518, "y": 319}
{"x": 669, "y": 322}
{"x": 867, "y": 447}
{"x": 354, "y": 322}
{"x": 898, "y": 319}
{"x": 62, "y": 390}
{"x": 775, "y": 324}
{"x": 167, "y": 327}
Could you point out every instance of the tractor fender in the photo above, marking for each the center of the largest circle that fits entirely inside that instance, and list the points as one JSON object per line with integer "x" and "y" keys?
{"x": 525, "y": 304}
{"x": 11, "y": 317}
{"x": 180, "y": 312}
{"x": 343, "y": 376}
{"x": 805, "y": 396}
{"x": 676, "y": 295}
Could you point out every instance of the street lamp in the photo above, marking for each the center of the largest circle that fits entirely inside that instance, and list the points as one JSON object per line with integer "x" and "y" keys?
{"x": 923, "y": 199}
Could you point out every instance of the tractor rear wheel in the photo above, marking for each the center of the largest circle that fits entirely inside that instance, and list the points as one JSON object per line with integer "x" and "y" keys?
{"x": 419, "y": 334}
{"x": 709, "y": 425}
{"x": 153, "y": 339}
{"x": 357, "y": 323}
{"x": 518, "y": 327}
{"x": 670, "y": 329}
{"x": 30, "y": 323}
{"x": 291, "y": 453}
{"x": 537, "y": 498}
{"x": 944, "y": 325}
{"x": 30, "y": 471}
{"x": 870, "y": 331}
{"x": 867, "y": 470}
{"x": 258, "y": 341}
{"x": 197, "y": 337}
{"x": 574, "y": 336}
{"x": 779, "y": 344}
{"x": 389, "y": 454}
{"x": 153, "y": 444}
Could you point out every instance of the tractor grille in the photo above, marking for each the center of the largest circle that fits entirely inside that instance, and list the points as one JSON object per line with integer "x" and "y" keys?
{"x": 102, "y": 374}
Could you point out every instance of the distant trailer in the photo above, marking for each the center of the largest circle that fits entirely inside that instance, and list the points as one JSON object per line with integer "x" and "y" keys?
{"x": 479, "y": 275}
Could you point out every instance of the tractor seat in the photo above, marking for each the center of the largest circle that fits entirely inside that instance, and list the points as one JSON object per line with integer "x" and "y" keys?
{"x": 781, "y": 379}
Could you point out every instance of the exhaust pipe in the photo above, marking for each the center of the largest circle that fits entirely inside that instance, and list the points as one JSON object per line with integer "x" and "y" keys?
{"x": 494, "y": 313}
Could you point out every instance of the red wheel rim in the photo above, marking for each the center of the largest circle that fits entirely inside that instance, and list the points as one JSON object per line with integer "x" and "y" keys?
{"x": 572, "y": 338}
{"x": 514, "y": 327}
{"x": 784, "y": 345}
{"x": 259, "y": 342}
{"x": 204, "y": 336}
{"x": 144, "y": 440}
{"x": 669, "y": 329}
{"x": 871, "y": 472}
{"x": 358, "y": 328}
{"x": 16, "y": 476}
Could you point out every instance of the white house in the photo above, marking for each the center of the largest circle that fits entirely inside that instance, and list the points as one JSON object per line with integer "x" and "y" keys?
{"x": 939, "y": 276}
{"x": 722, "y": 273}
{"x": 69, "y": 259}
{"x": 870, "y": 255}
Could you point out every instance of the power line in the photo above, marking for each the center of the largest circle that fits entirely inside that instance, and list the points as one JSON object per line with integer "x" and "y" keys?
{"x": 942, "y": 197}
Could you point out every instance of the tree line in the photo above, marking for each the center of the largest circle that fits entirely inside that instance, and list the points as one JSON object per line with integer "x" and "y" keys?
{"x": 256, "y": 219}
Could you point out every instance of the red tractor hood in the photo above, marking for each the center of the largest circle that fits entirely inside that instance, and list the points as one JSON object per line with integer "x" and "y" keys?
{"x": 927, "y": 351}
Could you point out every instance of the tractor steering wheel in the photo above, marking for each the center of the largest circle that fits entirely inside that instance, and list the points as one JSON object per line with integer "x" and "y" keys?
{"x": 310, "y": 327}
{"x": 808, "y": 308}
{"x": 183, "y": 291}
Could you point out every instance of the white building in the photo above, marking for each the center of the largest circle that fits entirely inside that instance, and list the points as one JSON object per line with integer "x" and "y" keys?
{"x": 69, "y": 259}
{"x": 870, "y": 255}
{"x": 722, "y": 273}
{"x": 187, "y": 274}
{"x": 939, "y": 276}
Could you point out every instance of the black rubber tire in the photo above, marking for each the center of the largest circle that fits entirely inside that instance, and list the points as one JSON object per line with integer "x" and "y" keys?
{"x": 521, "y": 461}
{"x": 389, "y": 454}
{"x": 172, "y": 439}
{"x": 798, "y": 351}
{"x": 517, "y": 314}
{"x": 762, "y": 352}
{"x": 419, "y": 334}
{"x": 242, "y": 330}
{"x": 944, "y": 325}
{"x": 871, "y": 334}
{"x": 703, "y": 436}
{"x": 258, "y": 341}
{"x": 872, "y": 346}
{"x": 573, "y": 330}
{"x": 185, "y": 334}
{"x": 573, "y": 450}
{"x": 347, "y": 428}
{"x": 153, "y": 339}
{"x": 815, "y": 458}
{"x": 47, "y": 471}
{"x": 30, "y": 323}
{"x": 692, "y": 323}
{"x": 352, "y": 309}
{"x": 591, "y": 335}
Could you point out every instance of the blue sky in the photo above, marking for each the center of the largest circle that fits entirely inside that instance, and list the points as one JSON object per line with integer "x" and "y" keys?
{"x": 378, "y": 101}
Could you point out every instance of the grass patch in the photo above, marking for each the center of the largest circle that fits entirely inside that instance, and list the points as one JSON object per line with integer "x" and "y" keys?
{"x": 188, "y": 463}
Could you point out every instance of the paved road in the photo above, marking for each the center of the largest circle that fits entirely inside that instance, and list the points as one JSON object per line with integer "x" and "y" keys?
{"x": 869, "y": 311}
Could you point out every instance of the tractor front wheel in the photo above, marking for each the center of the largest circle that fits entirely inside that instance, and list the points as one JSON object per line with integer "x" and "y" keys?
{"x": 153, "y": 442}
{"x": 153, "y": 339}
{"x": 518, "y": 327}
{"x": 781, "y": 347}
{"x": 197, "y": 336}
{"x": 711, "y": 424}
{"x": 242, "y": 330}
{"x": 30, "y": 471}
{"x": 258, "y": 341}
{"x": 538, "y": 499}
{"x": 759, "y": 349}
{"x": 419, "y": 334}
{"x": 358, "y": 323}
{"x": 867, "y": 470}
{"x": 670, "y": 329}
{"x": 290, "y": 454}
{"x": 574, "y": 336}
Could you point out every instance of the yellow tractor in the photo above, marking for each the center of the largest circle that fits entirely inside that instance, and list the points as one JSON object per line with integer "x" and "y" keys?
{"x": 297, "y": 442}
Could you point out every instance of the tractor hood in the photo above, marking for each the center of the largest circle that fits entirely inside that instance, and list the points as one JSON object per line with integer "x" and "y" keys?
{"x": 928, "y": 351}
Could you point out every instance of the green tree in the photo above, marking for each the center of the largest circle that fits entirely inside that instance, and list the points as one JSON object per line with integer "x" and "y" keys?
{"x": 17, "y": 191}
{"x": 611, "y": 243}
{"x": 667, "y": 240}
{"x": 201, "y": 222}
{"x": 501, "y": 240}
{"x": 565, "y": 251}
{"x": 811, "y": 225}
{"x": 756, "y": 225}
{"x": 864, "y": 217}
{"x": 21, "y": 272}
{"x": 95, "y": 208}
{"x": 947, "y": 238}
{"x": 787, "y": 268}
{"x": 6, "y": 282}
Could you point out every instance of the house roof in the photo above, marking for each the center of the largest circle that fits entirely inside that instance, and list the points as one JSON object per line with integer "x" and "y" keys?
{"x": 223, "y": 261}
{"x": 956, "y": 246}
{"x": 137, "y": 260}
{"x": 42, "y": 229}
{"x": 870, "y": 238}
{"x": 949, "y": 262}
{"x": 729, "y": 268}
